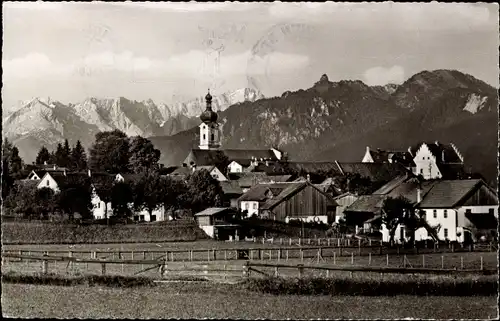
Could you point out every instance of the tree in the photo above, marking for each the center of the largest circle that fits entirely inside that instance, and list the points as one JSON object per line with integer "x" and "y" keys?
{"x": 59, "y": 155}
{"x": 203, "y": 190}
{"x": 110, "y": 152}
{"x": 78, "y": 157}
{"x": 7, "y": 179}
{"x": 22, "y": 200}
{"x": 143, "y": 155}
{"x": 10, "y": 154}
{"x": 66, "y": 154}
{"x": 148, "y": 192}
{"x": 43, "y": 156}
{"x": 396, "y": 211}
{"x": 45, "y": 202}
{"x": 175, "y": 194}
{"x": 121, "y": 196}
{"x": 75, "y": 196}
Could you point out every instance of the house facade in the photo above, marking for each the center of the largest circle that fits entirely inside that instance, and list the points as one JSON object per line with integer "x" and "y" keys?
{"x": 453, "y": 210}
{"x": 437, "y": 160}
{"x": 300, "y": 201}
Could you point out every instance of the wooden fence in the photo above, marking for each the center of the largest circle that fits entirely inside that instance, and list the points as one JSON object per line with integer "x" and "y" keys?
{"x": 247, "y": 269}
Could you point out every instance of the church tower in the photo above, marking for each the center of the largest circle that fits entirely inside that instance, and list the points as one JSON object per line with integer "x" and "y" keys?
{"x": 209, "y": 128}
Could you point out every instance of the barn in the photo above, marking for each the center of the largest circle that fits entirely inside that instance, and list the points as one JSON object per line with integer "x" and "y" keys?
{"x": 300, "y": 201}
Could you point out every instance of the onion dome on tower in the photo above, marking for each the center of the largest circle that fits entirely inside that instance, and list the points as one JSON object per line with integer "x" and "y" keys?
{"x": 208, "y": 116}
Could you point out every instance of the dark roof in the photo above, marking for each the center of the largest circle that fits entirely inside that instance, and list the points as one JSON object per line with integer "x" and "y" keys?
{"x": 385, "y": 156}
{"x": 451, "y": 171}
{"x": 395, "y": 182}
{"x": 482, "y": 220}
{"x": 213, "y": 211}
{"x": 247, "y": 154}
{"x": 449, "y": 193}
{"x": 288, "y": 192}
{"x": 243, "y": 162}
{"x": 315, "y": 166}
{"x": 439, "y": 150}
{"x": 260, "y": 192}
{"x": 374, "y": 171}
{"x": 367, "y": 204}
{"x": 60, "y": 177}
{"x": 231, "y": 188}
{"x": 248, "y": 179}
{"x": 204, "y": 156}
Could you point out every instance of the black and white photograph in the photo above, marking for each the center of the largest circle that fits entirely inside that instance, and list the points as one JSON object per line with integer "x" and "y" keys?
{"x": 250, "y": 160}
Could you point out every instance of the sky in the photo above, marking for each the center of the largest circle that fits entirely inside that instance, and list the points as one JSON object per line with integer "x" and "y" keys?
{"x": 173, "y": 52}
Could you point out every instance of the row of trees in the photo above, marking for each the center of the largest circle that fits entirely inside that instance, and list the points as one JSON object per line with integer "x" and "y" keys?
{"x": 112, "y": 152}
{"x": 64, "y": 156}
{"x": 12, "y": 165}
{"x": 146, "y": 191}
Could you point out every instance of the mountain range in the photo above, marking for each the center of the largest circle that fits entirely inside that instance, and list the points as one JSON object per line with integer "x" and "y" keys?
{"x": 337, "y": 120}
{"x": 46, "y": 122}
{"x": 328, "y": 121}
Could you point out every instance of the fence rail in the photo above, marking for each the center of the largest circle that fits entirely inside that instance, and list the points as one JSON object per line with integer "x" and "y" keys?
{"x": 245, "y": 269}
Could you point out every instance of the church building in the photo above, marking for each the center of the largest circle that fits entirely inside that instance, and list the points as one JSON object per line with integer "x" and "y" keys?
{"x": 209, "y": 151}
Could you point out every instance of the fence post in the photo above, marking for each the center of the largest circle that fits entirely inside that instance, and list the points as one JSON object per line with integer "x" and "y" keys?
{"x": 261, "y": 257}
{"x": 225, "y": 255}
{"x": 309, "y": 241}
{"x": 208, "y": 255}
{"x": 301, "y": 255}
{"x": 263, "y": 240}
{"x": 387, "y": 259}
{"x": 442, "y": 262}
{"x": 328, "y": 242}
{"x": 133, "y": 255}
{"x": 301, "y": 270}
{"x": 276, "y": 274}
{"x": 45, "y": 266}
{"x": 191, "y": 255}
{"x": 279, "y": 254}
{"x": 70, "y": 254}
{"x": 103, "y": 268}
{"x": 370, "y": 242}
{"x": 246, "y": 271}
{"x": 461, "y": 262}
{"x": 281, "y": 241}
{"x": 481, "y": 262}
{"x": 348, "y": 242}
{"x": 172, "y": 256}
{"x": 338, "y": 242}
{"x": 404, "y": 261}
{"x": 359, "y": 247}
{"x": 299, "y": 240}
{"x": 352, "y": 257}
{"x": 370, "y": 258}
{"x": 290, "y": 241}
{"x": 423, "y": 260}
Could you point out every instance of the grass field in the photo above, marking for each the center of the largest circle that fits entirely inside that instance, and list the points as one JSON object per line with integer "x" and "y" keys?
{"x": 206, "y": 300}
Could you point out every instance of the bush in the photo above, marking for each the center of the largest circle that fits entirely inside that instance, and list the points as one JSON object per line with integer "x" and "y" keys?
{"x": 90, "y": 280}
{"x": 375, "y": 287}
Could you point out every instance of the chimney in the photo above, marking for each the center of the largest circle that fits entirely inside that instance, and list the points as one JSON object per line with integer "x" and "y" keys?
{"x": 437, "y": 143}
{"x": 367, "y": 149}
{"x": 442, "y": 156}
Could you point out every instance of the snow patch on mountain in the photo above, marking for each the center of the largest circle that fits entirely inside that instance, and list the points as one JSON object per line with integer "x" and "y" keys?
{"x": 475, "y": 103}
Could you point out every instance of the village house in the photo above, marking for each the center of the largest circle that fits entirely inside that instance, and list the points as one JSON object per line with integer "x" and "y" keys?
{"x": 36, "y": 172}
{"x": 289, "y": 201}
{"x": 438, "y": 161}
{"x": 212, "y": 169}
{"x": 300, "y": 201}
{"x": 343, "y": 201}
{"x": 215, "y": 222}
{"x": 404, "y": 158}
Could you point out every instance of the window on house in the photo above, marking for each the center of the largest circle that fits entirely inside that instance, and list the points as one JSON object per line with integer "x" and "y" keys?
{"x": 254, "y": 206}
{"x": 445, "y": 233}
{"x": 491, "y": 211}
{"x": 153, "y": 218}
{"x": 434, "y": 214}
{"x": 136, "y": 218}
{"x": 142, "y": 217}
{"x": 99, "y": 205}
{"x": 48, "y": 182}
{"x": 421, "y": 171}
{"x": 445, "y": 214}
{"x": 204, "y": 137}
{"x": 213, "y": 137}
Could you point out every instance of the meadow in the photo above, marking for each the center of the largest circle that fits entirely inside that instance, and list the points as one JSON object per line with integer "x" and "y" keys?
{"x": 208, "y": 300}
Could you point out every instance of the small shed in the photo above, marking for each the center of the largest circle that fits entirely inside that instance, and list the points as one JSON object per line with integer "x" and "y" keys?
{"x": 216, "y": 223}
